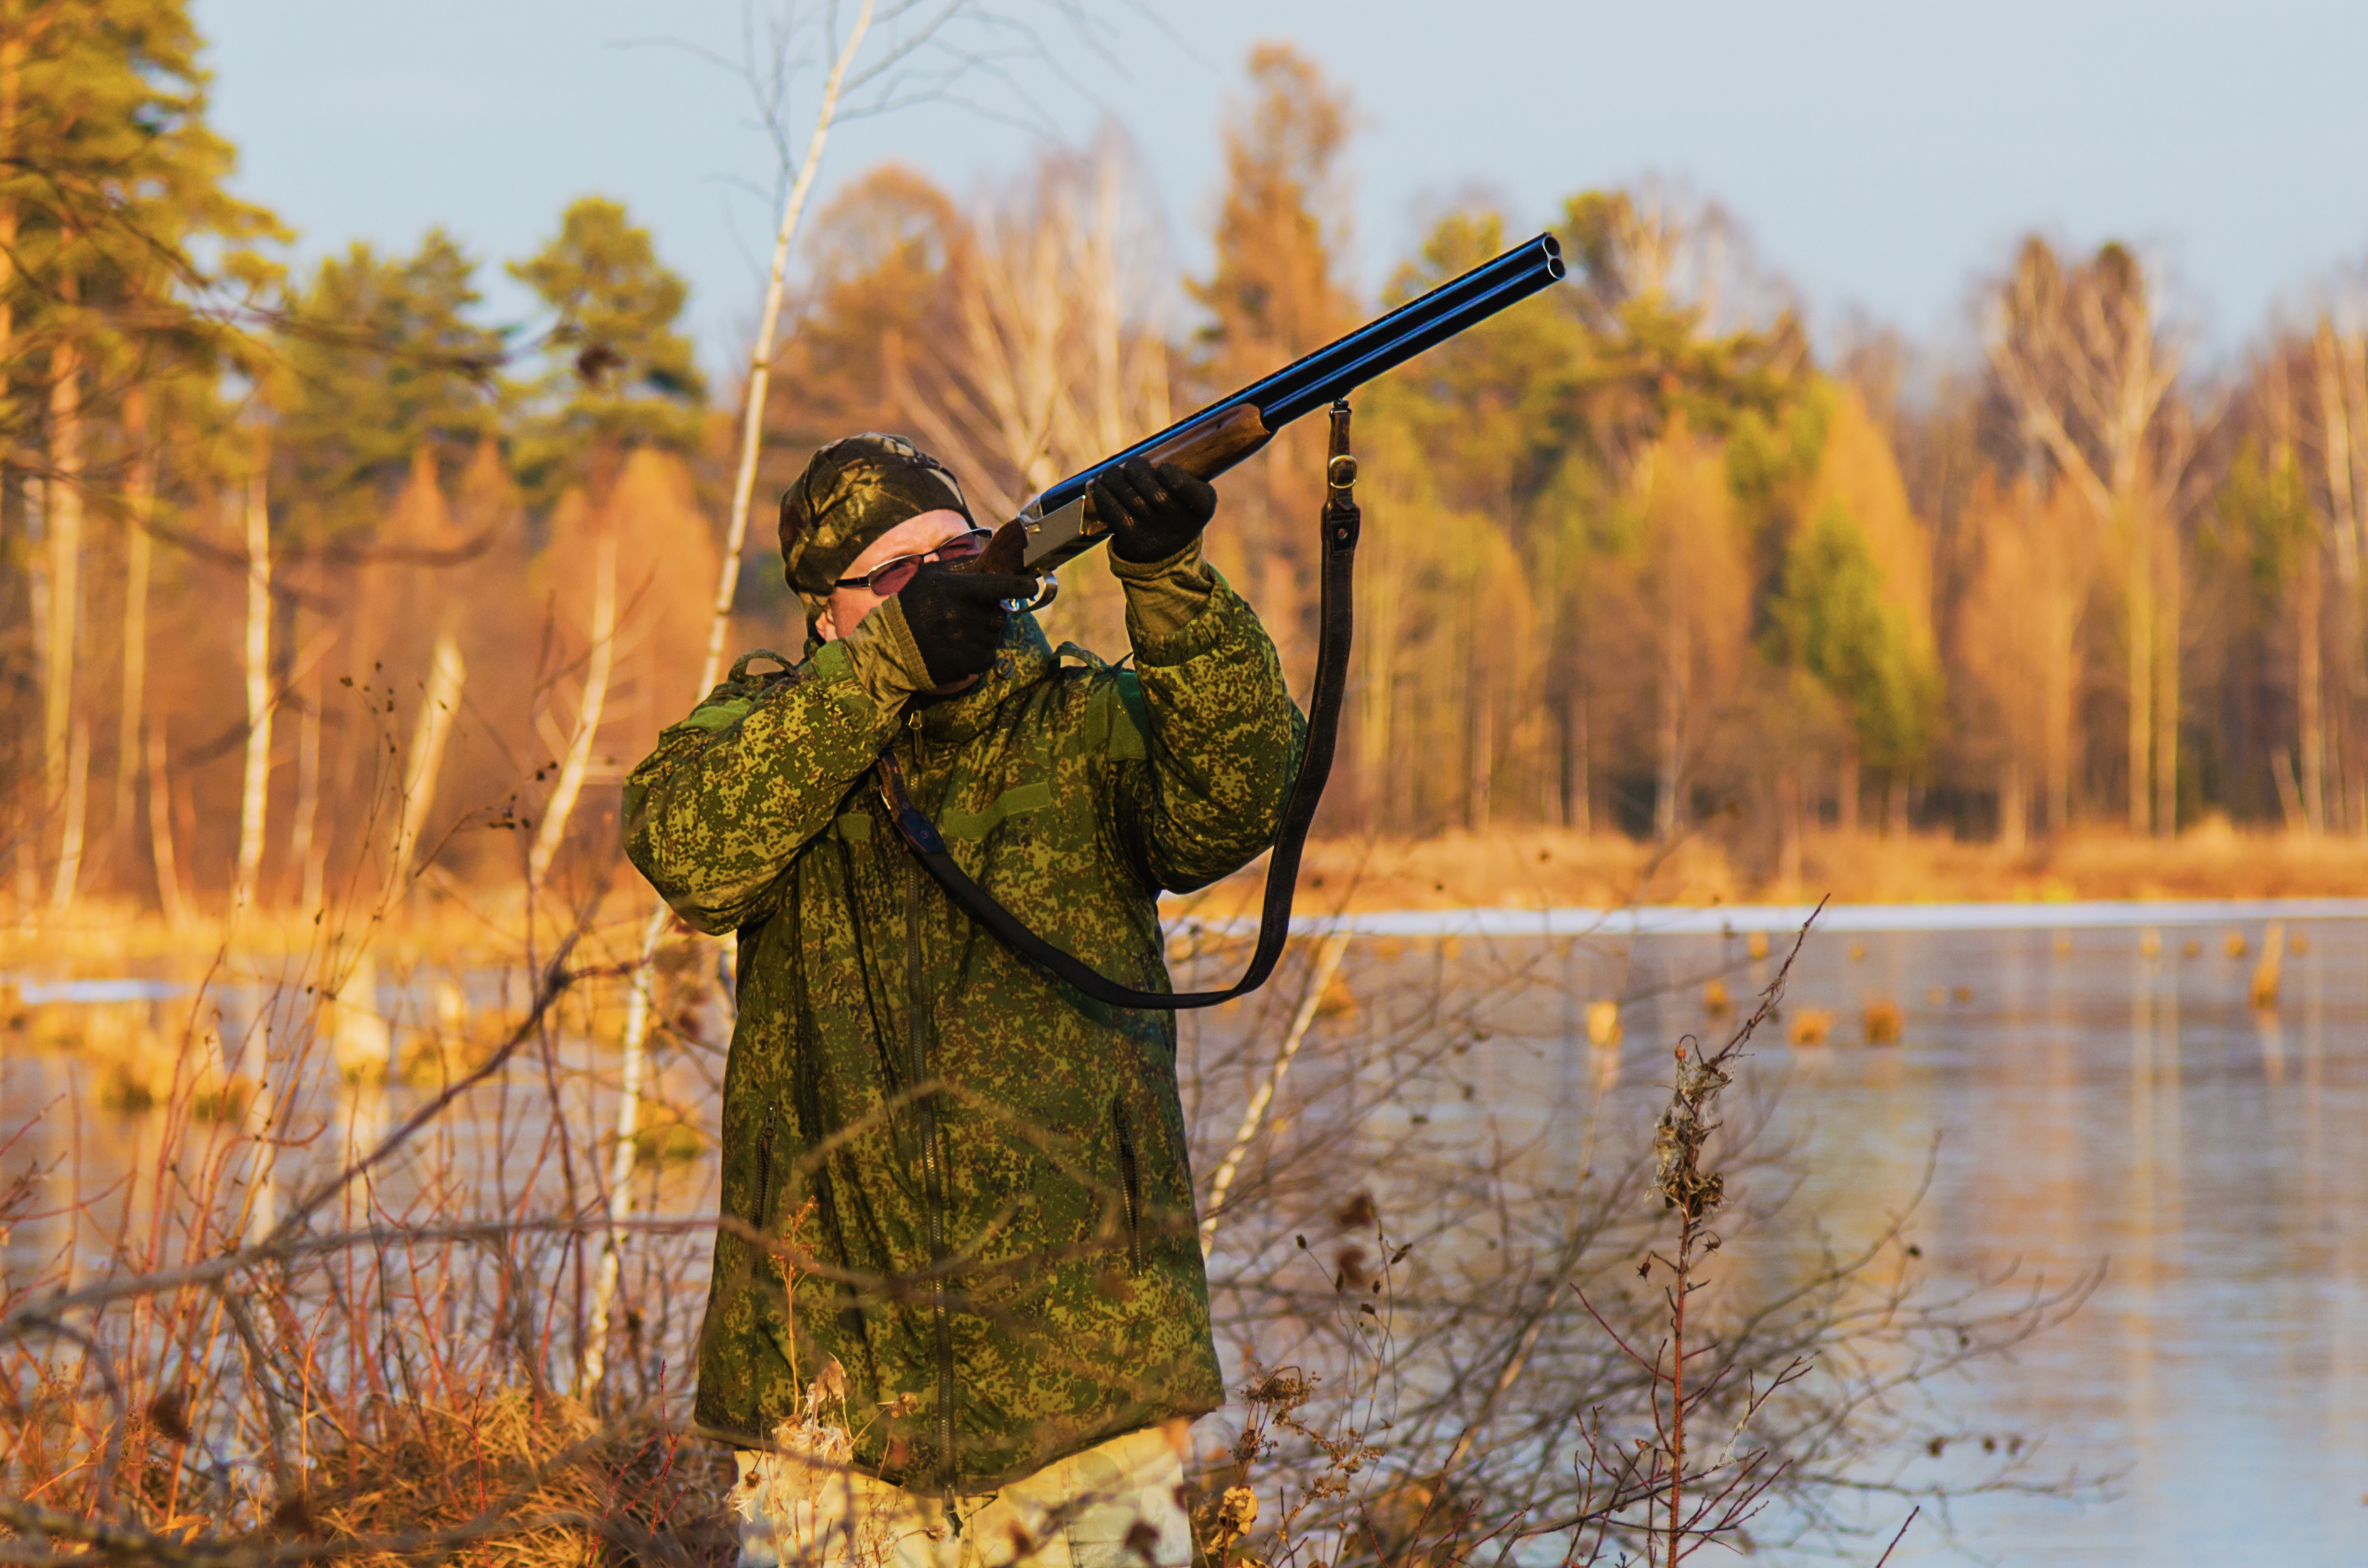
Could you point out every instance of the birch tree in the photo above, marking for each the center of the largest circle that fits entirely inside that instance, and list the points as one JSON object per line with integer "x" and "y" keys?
{"x": 920, "y": 51}
{"x": 114, "y": 231}
{"x": 1054, "y": 357}
{"x": 2332, "y": 429}
{"x": 620, "y": 1175}
{"x": 2081, "y": 358}
{"x": 2018, "y": 641}
{"x": 254, "y": 788}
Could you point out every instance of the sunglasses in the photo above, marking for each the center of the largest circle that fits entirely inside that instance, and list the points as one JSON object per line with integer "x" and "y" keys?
{"x": 890, "y": 578}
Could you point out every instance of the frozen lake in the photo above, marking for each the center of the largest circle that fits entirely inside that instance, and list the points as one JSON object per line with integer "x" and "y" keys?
{"x": 2085, "y": 1084}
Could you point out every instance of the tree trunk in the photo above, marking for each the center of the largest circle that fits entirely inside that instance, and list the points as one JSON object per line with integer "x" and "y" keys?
{"x": 1847, "y": 791}
{"x": 621, "y": 1193}
{"x": 2141, "y": 676}
{"x": 1583, "y": 794}
{"x": 14, "y": 46}
{"x": 1669, "y": 806}
{"x": 160, "y": 829}
{"x": 62, "y": 527}
{"x": 2307, "y": 693}
{"x": 1480, "y": 735}
{"x": 1894, "y": 804}
{"x": 2167, "y": 690}
{"x": 139, "y": 550}
{"x": 2335, "y": 399}
{"x": 71, "y": 819}
{"x": 1379, "y": 643}
{"x": 2014, "y": 807}
{"x": 2057, "y": 741}
{"x": 255, "y": 790}
{"x": 1565, "y": 755}
{"x": 553, "y": 831}
{"x": 446, "y": 677}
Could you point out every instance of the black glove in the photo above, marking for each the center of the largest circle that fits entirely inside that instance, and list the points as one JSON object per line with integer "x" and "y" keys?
{"x": 957, "y": 618}
{"x": 1152, "y": 513}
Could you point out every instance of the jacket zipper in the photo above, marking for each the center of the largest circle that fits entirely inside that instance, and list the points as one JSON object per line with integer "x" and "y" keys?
{"x": 1130, "y": 1182}
{"x": 932, "y": 1153}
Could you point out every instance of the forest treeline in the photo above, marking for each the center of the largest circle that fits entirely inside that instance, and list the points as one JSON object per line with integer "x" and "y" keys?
{"x": 322, "y": 578}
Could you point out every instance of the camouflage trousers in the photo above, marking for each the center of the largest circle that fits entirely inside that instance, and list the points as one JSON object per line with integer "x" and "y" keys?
{"x": 1116, "y": 1504}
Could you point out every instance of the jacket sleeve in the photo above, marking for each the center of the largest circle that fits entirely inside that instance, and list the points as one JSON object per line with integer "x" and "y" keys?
{"x": 715, "y": 814}
{"x": 1224, "y": 734}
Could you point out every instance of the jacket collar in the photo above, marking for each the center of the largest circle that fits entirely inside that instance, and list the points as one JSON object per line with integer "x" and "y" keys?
{"x": 1024, "y": 659}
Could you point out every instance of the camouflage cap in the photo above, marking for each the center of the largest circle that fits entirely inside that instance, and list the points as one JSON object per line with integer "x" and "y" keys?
{"x": 851, "y": 492}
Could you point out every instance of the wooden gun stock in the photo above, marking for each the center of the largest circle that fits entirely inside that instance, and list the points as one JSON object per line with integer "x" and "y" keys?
{"x": 1203, "y": 450}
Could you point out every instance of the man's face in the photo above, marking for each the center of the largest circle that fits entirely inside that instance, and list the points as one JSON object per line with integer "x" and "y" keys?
{"x": 914, "y": 536}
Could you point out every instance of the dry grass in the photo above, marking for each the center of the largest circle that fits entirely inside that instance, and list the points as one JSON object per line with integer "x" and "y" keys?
{"x": 565, "y": 1486}
{"x": 386, "y": 1370}
{"x": 1543, "y": 867}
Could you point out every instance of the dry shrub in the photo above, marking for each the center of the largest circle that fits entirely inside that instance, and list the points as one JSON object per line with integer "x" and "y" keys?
{"x": 544, "y": 1480}
{"x": 1810, "y": 1025}
{"x": 1883, "y": 1021}
{"x": 324, "y": 1320}
{"x": 1412, "y": 1259}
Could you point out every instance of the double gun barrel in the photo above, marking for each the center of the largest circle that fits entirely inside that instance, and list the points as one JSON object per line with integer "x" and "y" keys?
{"x": 1060, "y": 523}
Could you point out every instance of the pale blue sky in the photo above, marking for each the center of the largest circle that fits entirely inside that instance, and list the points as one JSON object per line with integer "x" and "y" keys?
{"x": 1885, "y": 156}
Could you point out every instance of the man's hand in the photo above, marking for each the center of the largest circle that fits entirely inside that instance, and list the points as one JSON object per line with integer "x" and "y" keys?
{"x": 957, "y": 618}
{"x": 1152, "y": 513}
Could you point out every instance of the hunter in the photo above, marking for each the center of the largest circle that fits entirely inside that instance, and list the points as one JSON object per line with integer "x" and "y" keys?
{"x": 958, "y": 1316}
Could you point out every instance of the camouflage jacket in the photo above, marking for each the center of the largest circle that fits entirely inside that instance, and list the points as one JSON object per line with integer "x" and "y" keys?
{"x": 1000, "y": 1252}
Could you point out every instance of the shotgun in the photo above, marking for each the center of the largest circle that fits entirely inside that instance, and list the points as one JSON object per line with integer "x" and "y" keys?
{"x": 1061, "y": 523}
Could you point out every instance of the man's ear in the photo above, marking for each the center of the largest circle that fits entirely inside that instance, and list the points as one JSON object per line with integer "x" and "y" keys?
{"x": 827, "y": 624}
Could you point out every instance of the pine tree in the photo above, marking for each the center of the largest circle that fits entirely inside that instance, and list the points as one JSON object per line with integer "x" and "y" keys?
{"x": 618, "y": 373}
{"x": 378, "y": 362}
{"x": 113, "y": 224}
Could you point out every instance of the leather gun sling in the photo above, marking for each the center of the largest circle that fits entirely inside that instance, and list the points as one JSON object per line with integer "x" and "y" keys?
{"x": 1336, "y": 617}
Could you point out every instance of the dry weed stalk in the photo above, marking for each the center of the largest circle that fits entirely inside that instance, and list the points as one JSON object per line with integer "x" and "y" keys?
{"x": 1505, "y": 1388}
{"x": 372, "y": 1375}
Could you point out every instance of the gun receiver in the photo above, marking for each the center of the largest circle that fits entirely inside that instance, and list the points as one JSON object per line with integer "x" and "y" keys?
{"x": 1061, "y": 523}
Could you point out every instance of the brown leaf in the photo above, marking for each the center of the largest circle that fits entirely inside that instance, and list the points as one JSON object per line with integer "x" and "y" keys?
{"x": 169, "y": 1413}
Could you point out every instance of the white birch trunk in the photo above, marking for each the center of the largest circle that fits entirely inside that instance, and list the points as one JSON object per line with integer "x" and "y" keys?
{"x": 2140, "y": 594}
{"x": 1327, "y": 963}
{"x": 2166, "y": 685}
{"x": 743, "y": 487}
{"x": 71, "y": 819}
{"x": 2307, "y": 693}
{"x": 254, "y": 791}
{"x": 1670, "y": 695}
{"x": 160, "y": 829}
{"x": 62, "y": 527}
{"x": 446, "y": 676}
{"x": 2335, "y": 449}
{"x": 553, "y": 831}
